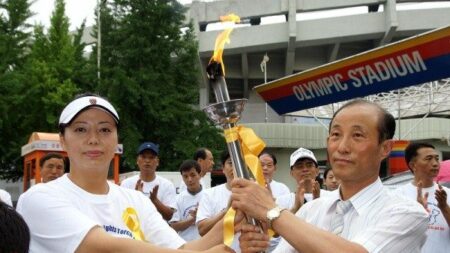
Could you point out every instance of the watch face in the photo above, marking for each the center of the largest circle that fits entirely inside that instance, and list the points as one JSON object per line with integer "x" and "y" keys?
{"x": 273, "y": 214}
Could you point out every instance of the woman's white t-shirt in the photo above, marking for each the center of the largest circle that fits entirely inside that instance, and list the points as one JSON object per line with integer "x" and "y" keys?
{"x": 60, "y": 214}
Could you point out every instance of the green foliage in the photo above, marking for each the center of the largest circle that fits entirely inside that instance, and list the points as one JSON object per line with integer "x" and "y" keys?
{"x": 51, "y": 71}
{"x": 14, "y": 41}
{"x": 150, "y": 72}
{"x": 82, "y": 71}
{"x": 42, "y": 81}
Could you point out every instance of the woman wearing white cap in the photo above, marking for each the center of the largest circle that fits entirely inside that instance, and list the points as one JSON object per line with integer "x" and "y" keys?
{"x": 83, "y": 212}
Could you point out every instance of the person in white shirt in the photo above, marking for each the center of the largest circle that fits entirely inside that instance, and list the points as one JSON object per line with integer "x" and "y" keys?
{"x": 83, "y": 212}
{"x": 361, "y": 216}
{"x": 160, "y": 190}
{"x": 205, "y": 158}
{"x": 423, "y": 161}
{"x": 304, "y": 169}
{"x": 5, "y": 197}
{"x": 269, "y": 166}
{"x": 183, "y": 219}
{"x": 215, "y": 202}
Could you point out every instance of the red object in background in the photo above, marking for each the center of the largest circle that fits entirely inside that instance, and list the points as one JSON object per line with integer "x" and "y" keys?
{"x": 40, "y": 144}
{"x": 396, "y": 158}
{"x": 444, "y": 172}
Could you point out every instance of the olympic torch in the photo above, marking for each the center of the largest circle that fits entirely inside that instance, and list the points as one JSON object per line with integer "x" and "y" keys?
{"x": 226, "y": 113}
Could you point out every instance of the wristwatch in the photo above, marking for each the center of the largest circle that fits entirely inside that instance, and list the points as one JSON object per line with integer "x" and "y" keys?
{"x": 273, "y": 214}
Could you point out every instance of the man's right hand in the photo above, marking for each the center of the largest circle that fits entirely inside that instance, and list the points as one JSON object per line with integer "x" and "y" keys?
{"x": 251, "y": 198}
{"x": 139, "y": 186}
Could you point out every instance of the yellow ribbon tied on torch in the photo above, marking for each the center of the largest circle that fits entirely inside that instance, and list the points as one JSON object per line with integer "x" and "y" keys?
{"x": 131, "y": 220}
{"x": 251, "y": 146}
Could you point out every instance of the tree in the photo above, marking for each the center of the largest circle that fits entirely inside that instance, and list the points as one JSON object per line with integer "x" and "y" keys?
{"x": 83, "y": 74}
{"x": 50, "y": 71}
{"x": 150, "y": 72}
{"x": 14, "y": 42}
{"x": 44, "y": 82}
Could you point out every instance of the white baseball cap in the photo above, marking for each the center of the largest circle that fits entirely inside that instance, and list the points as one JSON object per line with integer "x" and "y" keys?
{"x": 79, "y": 104}
{"x": 302, "y": 153}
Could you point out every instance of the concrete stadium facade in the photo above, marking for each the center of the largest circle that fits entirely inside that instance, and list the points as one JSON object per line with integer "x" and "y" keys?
{"x": 295, "y": 44}
{"x": 298, "y": 35}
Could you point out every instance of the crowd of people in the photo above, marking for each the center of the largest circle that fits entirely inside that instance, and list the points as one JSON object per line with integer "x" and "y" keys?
{"x": 351, "y": 211}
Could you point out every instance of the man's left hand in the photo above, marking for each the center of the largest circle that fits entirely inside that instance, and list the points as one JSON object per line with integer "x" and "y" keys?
{"x": 154, "y": 193}
{"x": 316, "y": 190}
{"x": 441, "y": 197}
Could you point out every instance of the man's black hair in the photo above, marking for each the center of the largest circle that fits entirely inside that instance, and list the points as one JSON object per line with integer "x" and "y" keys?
{"x": 274, "y": 158}
{"x": 386, "y": 122}
{"x": 224, "y": 157}
{"x": 49, "y": 156}
{"x": 411, "y": 151}
{"x": 325, "y": 174}
{"x": 187, "y": 165}
{"x": 200, "y": 153}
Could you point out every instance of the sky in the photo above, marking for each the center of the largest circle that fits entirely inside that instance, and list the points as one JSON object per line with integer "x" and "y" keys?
{"x": 78, "y": 10}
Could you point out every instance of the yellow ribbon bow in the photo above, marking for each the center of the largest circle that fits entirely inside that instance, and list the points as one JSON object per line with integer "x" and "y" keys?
{"x": 131, "y": 220}
{"x": 251, "y": 146}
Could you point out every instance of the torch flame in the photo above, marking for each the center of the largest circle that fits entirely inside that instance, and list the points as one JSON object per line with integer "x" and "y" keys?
{"x": 222, "y": 38}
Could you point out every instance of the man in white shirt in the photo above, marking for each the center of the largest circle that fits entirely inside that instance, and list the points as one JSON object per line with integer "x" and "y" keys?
{"x": 205, "y": 159}
{"x": 269, "y": 166}
{"x": 216, "y": 201}
{"x": 423, "y": 161}
{"x": 304, "y": 169}
{"x": 160, "y": 190}
{"x": 362, "y": 216}
{"x": 183, "y": 220}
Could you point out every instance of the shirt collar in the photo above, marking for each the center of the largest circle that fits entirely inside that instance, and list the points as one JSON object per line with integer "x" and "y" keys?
{"x": 367, "y": 195}
{"x": 361, "y": 199}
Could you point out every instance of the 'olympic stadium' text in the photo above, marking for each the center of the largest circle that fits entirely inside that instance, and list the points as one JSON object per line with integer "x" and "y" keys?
{"x": 370, "y": 74}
